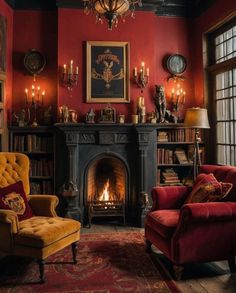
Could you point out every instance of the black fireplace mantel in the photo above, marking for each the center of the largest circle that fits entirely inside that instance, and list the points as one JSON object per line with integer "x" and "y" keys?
{"x": 134, "y": 144}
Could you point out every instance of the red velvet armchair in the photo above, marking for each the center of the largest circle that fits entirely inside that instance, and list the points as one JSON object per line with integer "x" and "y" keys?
{"x": 195, "y": 232}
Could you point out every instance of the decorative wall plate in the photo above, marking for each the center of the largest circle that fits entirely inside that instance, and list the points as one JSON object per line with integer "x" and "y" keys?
{"x": 34, "y": 61}
{"x": 176, "y": 64}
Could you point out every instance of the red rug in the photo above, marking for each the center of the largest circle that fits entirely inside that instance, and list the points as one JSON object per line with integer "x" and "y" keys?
{"x": 107, "y": 263}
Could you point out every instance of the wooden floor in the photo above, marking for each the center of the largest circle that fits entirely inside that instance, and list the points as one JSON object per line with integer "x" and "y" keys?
{"x": 198, "y": 278}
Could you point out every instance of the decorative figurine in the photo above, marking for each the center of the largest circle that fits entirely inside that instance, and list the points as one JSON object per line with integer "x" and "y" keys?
{"x": 151, "y": 117}
{"x": 64, "y": 114}
{"x": 160, "y": 103}
{"x": 108, "y": 115}
{"x": 21, "y": 117}
{"x": 73, "y": 116}
{"x": 90, "y": 116}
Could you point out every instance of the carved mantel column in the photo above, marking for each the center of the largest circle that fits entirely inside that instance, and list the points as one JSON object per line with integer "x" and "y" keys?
{"x": 70, "y": 189}
{"x": 145, "y": 138}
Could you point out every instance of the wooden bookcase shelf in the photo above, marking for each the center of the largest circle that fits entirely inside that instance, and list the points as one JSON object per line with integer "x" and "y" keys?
{"x": 38, "y": 143}
{"x": 175, "y": 145}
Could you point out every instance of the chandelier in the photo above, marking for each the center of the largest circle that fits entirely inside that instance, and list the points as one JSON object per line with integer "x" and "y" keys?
{"x": 111, "y": 10}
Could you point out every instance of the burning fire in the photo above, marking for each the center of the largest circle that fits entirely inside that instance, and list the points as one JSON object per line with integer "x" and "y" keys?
{"x": 105, "y": 193}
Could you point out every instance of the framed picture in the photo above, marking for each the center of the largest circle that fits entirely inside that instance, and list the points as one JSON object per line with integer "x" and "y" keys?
{"x": 3, "y": 43}
{"x": 107, "y": 72}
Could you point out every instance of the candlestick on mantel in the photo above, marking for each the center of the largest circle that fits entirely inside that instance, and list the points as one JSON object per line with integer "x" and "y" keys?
{"x": 35, "y": 103}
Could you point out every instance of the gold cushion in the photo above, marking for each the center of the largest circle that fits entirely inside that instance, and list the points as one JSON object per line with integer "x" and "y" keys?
{"x": 43, "y": 231}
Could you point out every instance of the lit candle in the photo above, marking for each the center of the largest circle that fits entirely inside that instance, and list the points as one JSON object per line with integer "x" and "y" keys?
{"x": 43, "y": 96}
{"x": 38, "y": 92}
{"x": 172, "y": 93}
{"x": 64, "y": 68}
{"x": 142, "y": 68}
{"x": 26, "y": 93}
{"x": 147, "y": 72}
{"x": 135, "y": 73}
{"x": 71, "y": 66}
{"x": 77, "y": 69}
{"x": 184, "y": 93}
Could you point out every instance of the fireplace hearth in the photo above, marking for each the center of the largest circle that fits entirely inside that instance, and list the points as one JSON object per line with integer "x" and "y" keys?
{"x": 113, "y": 166}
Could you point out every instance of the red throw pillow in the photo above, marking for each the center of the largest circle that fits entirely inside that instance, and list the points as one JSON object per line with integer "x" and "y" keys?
{"x": 206, "y": 188}
{"x": 12, "y": 197}
{"x": 207, "y": 192}
{"x": 205, "y": 179}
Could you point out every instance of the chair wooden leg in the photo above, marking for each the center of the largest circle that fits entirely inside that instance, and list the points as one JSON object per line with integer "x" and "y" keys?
{"x": 148, "y": 245}
{"x": 178, "y": 271}
{"x": 231, "y": 263}
{"x": 74, "y": 251}
{"x": 41, "y": 263}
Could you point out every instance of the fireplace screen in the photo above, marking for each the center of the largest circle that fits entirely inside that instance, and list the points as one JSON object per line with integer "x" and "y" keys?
{"x": 106, "y": 186}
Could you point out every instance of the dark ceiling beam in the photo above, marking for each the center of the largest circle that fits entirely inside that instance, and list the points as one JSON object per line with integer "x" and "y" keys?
{"x": 11, "y": 3}
{"x": 179, "y": 8}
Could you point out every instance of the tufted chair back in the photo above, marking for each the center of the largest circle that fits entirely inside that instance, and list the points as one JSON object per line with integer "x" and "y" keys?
{"x": 14, "y": 167}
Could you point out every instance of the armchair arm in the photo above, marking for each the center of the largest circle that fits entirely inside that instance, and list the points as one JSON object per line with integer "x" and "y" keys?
{"x": 202, "y": 231}
{"x": 168, "y": 197}
{"x": 197, "y": 213}
{"x": 43, "y": 205}
{"x": 9, "y": 225}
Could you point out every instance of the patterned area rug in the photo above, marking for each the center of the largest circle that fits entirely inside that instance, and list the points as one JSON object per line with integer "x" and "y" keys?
{"x": 107, "y": 263}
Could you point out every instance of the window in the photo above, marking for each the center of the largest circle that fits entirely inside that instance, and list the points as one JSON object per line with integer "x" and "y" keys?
{"x": 222, "y": 43}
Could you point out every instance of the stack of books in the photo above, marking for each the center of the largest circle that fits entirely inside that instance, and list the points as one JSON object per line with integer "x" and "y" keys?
{"x": 170, "y": 177}
{"x": 162, "y": 136}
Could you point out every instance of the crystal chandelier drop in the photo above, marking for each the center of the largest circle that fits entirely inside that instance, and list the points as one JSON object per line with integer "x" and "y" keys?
{"x": 111, "y": 10}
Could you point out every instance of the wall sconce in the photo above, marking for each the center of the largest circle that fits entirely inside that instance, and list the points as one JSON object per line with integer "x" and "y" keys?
{"x": 178, "y": 97}
{"x": 34, "y": 100}
{"x": 70, "y": 77}
{"x": 142, "y": 77}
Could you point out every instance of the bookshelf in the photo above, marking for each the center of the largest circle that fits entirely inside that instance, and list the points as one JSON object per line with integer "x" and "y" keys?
{"x": 175, "y": 145}
{"x": 39, "y": 145}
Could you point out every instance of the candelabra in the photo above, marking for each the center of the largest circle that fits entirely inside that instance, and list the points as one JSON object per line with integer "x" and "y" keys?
{"x": 177, "y": 97}
{"x": 141, "y": 78}
{"x": 34, "y": 100}
{"x": 70, "y": 77}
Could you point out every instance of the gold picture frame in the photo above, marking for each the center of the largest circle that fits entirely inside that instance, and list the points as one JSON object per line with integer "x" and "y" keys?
{"x": 107, "y": 72}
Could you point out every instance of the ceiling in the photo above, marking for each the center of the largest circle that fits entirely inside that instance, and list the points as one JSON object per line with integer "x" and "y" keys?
{"x": 181, "y": 8}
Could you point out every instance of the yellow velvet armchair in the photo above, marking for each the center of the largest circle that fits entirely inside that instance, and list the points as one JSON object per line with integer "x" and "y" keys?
{"x": 44, "y": 233}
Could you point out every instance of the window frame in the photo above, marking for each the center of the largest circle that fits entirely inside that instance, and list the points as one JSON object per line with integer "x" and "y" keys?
{"x": 212, "y": 70}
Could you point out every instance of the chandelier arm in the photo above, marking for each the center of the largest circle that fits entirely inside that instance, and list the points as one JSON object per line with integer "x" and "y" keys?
{"x": 116, "y": 8}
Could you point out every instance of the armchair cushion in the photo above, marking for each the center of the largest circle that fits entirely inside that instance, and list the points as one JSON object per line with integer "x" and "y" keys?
{"x": 163, "y": 222}
{"x": 43, "y": 231}
{"x": 12, "y": 197}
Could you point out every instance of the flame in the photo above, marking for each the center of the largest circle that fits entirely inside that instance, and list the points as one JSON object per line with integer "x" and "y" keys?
{"x": 105, "y": 193}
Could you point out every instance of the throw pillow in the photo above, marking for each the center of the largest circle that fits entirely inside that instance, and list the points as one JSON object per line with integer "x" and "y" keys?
{"x": 12, "y": 197}
{"x": 205, "y": 179}
{"x": 208, "y": 192}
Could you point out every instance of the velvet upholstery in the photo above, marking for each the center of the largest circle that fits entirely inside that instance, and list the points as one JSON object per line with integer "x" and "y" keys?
{"x": 41, "y": 235}
{"x": 193, "y": 232}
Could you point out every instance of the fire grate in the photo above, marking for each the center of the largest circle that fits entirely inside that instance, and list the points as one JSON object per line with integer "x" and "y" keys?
{"x": 106, "y": 209}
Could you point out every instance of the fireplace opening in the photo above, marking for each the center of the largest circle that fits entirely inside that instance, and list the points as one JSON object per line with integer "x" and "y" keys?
{"x": 106, "y": 188}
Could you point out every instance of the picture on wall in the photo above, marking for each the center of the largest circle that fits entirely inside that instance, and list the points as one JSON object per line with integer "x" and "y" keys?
{"x": 3, "y": 43}
{"x": 107, "y": 72}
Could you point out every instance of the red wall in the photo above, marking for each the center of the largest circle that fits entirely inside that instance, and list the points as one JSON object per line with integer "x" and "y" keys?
{"x": 218, "y": 11}
{"x": 35, "y": 30}
{"x": 62, "y": 37}
{"x": 6, "y": 11}
{"x": 151, "y": 38}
